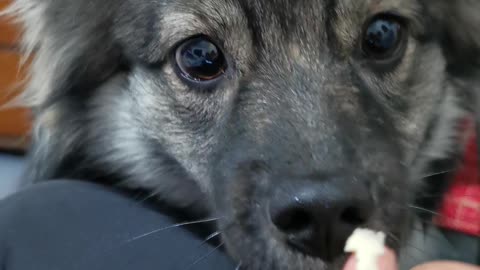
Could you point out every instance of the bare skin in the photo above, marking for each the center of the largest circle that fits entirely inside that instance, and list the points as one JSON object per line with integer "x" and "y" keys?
{"x": 389, "y": 262}
{"x": 445, "y": 265}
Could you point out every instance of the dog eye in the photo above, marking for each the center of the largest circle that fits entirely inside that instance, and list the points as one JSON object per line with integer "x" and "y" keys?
{"x": 382, "y": 37}
{"x": 199, "y": 60}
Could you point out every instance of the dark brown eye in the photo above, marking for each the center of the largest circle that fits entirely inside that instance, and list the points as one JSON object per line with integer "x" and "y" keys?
{"x": 200, "y": 60}
{"x": 382, "y": 37}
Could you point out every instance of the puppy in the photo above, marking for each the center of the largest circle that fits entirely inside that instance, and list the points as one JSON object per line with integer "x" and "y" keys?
{"x": 295, "y": 122}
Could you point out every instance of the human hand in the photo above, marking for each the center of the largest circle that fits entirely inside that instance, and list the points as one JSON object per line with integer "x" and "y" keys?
{"x": 389, "y": 262}
{"x": 446, "y": 265}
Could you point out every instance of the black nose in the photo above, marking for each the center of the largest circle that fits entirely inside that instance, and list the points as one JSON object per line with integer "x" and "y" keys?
{"x": 317, "y": 217}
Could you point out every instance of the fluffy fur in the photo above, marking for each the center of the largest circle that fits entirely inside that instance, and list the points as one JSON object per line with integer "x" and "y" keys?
{"x": 299, "y": 100}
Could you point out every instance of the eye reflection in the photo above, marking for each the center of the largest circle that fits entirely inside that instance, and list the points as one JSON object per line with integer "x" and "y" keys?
{"x": 200, "y": 60}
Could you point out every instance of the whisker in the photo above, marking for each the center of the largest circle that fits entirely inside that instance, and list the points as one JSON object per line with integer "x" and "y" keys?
{"x": 418, "y": 208}
{"x": 197, "y": 261}
{"x": 148, "y": 197}
{"x": 215, "y": 234}
{"x": 396, "y": 239}
{"x": 204, "y": 242}
{"x": 239, "y": 266}
{"x": 391, "y": 235}
{"x": 424, "y": 210}
{"x": 408, "y": 252}
{"x": 171, "y": 227}
{"x": 210, "y": 237}
{"x": 408, "y": 244}
{"x": 438, "y": 173}
{"x": 126, "y": 242}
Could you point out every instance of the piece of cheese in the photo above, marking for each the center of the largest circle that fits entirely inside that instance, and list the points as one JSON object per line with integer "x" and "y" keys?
{"x": 368, "y": 246}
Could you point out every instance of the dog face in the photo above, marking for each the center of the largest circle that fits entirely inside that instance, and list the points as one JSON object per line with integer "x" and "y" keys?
{"x": 294, "y": 121}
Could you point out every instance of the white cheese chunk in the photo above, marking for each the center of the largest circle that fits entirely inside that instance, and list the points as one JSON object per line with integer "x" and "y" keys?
{"x": 368, "y": 246}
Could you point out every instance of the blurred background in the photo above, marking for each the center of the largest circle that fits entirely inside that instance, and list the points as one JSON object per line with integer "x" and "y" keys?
{"x": 14, "y": 123}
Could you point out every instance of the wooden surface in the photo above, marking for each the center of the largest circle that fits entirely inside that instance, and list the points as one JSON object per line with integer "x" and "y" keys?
{"x": 8, "y": 33}
{"x": 14, "y": 123}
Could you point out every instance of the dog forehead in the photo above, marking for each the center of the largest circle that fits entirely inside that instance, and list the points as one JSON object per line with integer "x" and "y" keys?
{"x": 294, "y": 10}
{"x": 290, "y": 18}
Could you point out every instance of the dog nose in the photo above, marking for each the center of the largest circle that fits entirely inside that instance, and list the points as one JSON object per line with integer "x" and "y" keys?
{"x": 317, "y": 217}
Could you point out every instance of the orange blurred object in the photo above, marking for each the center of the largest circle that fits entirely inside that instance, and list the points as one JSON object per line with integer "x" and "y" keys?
{"x": 14, "y": 123}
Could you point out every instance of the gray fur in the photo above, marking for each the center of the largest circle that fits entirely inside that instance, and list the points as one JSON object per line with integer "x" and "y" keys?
{"x": 298, "y": 100}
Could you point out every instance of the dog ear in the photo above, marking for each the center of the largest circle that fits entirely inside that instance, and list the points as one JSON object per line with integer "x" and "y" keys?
{"x": 71, "y": 53}
{"x": 454, "y": 24}
{"x": 65, "y": 53}
{"x": 457, "y": 23}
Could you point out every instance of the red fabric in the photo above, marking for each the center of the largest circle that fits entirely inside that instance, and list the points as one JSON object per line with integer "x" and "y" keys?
{"x": 461, "y": 207}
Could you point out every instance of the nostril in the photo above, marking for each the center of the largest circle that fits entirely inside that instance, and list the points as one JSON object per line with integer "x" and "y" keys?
{"x": 293, "y": 220}
{"x": 354, "y": 216}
